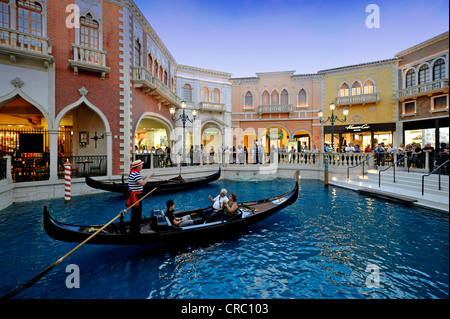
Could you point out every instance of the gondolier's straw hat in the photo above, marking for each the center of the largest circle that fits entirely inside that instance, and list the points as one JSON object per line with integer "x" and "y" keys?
{"x": 136, "y": 163}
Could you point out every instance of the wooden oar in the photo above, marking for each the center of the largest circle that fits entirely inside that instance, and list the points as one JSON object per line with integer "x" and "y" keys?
{"x": 48, "y": 269}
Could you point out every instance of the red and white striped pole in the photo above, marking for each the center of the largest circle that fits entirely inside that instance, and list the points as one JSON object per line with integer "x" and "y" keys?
{"x": 67, "y": 178}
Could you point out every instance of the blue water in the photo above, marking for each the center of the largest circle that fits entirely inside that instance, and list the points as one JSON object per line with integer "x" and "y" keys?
{"x": 323, "y": 246}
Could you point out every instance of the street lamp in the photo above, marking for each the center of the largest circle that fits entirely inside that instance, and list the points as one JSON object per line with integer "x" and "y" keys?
{"x": 332, "y": 119}
{"x": 183, "y": 117}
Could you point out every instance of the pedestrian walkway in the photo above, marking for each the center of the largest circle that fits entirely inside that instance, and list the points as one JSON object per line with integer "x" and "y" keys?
{"x": 407, "y": 187}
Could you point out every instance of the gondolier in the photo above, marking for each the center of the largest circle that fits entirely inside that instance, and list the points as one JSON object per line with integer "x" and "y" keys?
{"x": 135, "y": 188}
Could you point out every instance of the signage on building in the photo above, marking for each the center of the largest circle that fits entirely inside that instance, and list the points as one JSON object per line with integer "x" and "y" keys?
{"x": 211, "y": 131}
{"x": 357, "y": 128}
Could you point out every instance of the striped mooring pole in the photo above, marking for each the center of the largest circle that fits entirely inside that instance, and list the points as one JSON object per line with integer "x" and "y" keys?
{"x": 67, "y": 179}
{"x": 326, "y": 171}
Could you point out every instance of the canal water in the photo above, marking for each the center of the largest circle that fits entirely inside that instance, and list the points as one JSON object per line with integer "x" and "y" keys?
{"x": 332, "y": 243}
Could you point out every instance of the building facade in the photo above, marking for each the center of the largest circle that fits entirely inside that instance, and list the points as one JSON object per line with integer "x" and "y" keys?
{"x": 367, "y": 91}
{"x": 276, "y": 110}
{"x": 209, "y": 93}
{"x": 423, "y": 92}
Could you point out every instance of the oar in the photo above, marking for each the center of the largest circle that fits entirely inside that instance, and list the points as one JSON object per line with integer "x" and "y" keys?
{"x": 46, "y": 271}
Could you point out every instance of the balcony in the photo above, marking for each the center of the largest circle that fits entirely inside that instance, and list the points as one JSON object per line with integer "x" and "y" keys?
{"x": 271, "y": 109}
{"x": 423, "y": 89}
{"x": 89, "y": 59}
{"x": 24, "y": 45}
{"x": 144, "y": 79}
{"x": 358, "y": 99}
{"x": 212, "y": 107}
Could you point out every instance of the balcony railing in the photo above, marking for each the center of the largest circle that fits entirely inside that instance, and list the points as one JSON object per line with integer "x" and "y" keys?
{"x": 358, "y": 99}
{"x": 17, "y": 43}
{"x": 89, "y": 59}
{"x": 423, "y": 89}
{"x": 211, "y": 106}
{"x": 151, "y": 85}
{"x": 279, "y": 108}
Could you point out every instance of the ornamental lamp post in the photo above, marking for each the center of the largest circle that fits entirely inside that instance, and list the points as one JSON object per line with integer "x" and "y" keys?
{"x": 333, "y": 119}
{"x": 183, "y": 117}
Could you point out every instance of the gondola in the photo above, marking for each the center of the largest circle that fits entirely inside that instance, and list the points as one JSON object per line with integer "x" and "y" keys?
{"x": 171, "y": 185}
{"x": 157, "y": 229}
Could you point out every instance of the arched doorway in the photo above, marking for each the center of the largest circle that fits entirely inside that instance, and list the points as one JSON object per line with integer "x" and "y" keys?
{"x": 82, "y": 141}
{"x": 302, "y": 140}
{"x": 152, "y": 142}
{"x": 211, "y": 138}
{"x": 24, "y": 137}
{"x": 275, "y": 137}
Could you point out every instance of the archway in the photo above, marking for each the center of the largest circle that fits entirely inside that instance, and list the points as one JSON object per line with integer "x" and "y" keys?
{"x": 24, "y": 136}
{"x": 211, "y": 138}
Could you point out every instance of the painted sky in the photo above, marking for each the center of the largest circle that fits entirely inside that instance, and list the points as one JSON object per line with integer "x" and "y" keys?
{"x": 244, "y": 37}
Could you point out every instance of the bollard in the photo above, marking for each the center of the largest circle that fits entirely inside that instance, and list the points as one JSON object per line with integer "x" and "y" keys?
{"x": 326, "y": 172}
{"x": 67, "y": 179}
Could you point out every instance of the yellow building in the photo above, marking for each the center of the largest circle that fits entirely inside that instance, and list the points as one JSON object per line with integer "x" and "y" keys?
{"x": 367, "y": 91}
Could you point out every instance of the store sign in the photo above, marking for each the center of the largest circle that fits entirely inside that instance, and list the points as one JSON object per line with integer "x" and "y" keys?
{"x": 211, "y": 131}
{"x": 357, "y": 128}
{"x": 275, "y": 136}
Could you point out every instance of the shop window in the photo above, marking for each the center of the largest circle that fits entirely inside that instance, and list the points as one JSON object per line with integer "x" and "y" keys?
{"x": 89, "y": 32}
{"x": 344, "y": 90}
{"x": 410, "y": 78}
{"x": 424, "y": 74}
{"x": 439, "y": 70}
{"x": 302, "y": 99}
{"x": 187, "y": 93}
{"x": 439, "y": 102}
{"x": 409, "y": 108}
{"x": 275, "y": 98}
{"x": 248, "y": 100}
{"x": 356, "y": 88}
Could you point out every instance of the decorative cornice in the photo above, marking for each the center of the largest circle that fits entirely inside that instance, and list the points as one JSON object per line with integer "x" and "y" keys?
{"x": 361, "y": 66}
{"x": 423, "y": 44}
{"x": 275, "y": 74}
{"x": 194, "y": 69}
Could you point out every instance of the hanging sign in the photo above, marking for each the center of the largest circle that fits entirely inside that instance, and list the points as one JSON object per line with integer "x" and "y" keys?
{"x": 211, "y": 131}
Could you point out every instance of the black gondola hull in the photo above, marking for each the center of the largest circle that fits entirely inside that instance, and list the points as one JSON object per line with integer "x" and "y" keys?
{"x": 76, "y": 233}
{"x": 171, "y": 185}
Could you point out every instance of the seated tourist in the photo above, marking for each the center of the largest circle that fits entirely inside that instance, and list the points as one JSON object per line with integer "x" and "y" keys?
{"x": 180, "y": 222}
{"x": 229, "y": 210}
{"x": 218, "y": 202}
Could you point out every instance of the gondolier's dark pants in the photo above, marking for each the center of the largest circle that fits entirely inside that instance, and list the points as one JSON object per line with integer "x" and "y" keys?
{"x": 136, "y": 214}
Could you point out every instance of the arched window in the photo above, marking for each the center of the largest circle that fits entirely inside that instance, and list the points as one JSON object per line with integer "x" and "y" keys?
{"x": 216, "y": 96}
{"x": 161, "y": 72}
{"x": 369, "y": 88}
{"x": 356, "y": 88}
{"x": 410, "y": 78}
{"x": 275, "y": 98}
{"x": 89, "y": 32}
{"x": 265, "y": 98}
{"x": 29, "y": 17}
{"x": 150, "y": 63}
{"x": 165, "y": 78}
{"x": 187, "y": 93}
{"x": 4, "y": 15}
{"x": 284, "y": 97}
{"x": 248, "y": 100}
{"x": 439, "y": 70}
{"x": 344, "y": 90}
{"x": 205, "y": 94}
{"x": 302, "y": 101}
{"x": 423, "y": 74}
{"x": 137, "y": 53}
{"x": 155, "y": 70}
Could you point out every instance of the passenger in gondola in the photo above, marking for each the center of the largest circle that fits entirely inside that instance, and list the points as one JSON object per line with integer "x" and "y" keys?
{"x": 135, "y": 188}
{"x": 218, "y": 203}
{"x": 180, "y": 222}
{"x": 229, "y": 210}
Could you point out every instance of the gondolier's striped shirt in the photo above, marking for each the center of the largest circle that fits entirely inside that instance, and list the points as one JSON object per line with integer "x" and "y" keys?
{"x": 133, "y": 182}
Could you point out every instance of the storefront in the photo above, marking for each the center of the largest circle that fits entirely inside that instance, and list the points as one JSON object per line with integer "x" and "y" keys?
{"x": 211, "y": 137}
{"x": 151, "y": 134}
{"x": 433, "y": 131}
{"x": 360, "y": 134}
